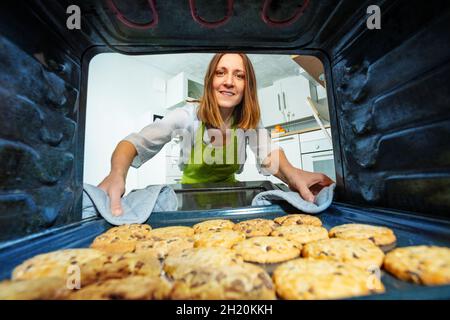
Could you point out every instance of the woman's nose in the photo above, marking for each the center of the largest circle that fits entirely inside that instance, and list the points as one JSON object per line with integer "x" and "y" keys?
{"x": 229, "y": 81}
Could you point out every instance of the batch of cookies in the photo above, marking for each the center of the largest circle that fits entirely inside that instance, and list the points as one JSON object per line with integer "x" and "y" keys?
{"x": 290, "y": 257}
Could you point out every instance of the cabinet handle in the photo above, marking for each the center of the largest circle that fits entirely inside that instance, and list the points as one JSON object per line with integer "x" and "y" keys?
{"x": 279, "y": 104}
{"x": 324, "y": 156}
{"x": 284, "y": 101}
{"x": 285, "y": 139}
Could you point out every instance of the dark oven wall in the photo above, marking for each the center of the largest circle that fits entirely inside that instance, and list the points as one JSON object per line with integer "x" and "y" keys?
{"x": 40, "y": 182}
{"x": 393, "y": 108}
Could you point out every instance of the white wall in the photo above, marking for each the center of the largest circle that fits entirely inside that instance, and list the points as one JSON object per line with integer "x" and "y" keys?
{"x": 123, "y": 94}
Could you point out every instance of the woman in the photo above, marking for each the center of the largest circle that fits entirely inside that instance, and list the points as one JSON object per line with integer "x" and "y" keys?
{"x": 229, "y": 102}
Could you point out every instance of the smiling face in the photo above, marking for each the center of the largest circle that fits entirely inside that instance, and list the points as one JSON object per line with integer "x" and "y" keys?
{"x": 229, "y": 81}
{"x": 230, "y": 90}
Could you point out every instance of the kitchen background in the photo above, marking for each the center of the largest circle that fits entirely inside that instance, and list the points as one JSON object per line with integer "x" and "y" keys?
{"x": 126, "y": 93}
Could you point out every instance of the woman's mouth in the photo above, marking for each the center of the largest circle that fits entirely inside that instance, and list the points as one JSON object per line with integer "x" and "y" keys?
{"x": 227, "y": 93}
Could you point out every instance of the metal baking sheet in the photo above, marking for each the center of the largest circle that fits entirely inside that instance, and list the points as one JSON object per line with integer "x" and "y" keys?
{"x": 410, "y": 229}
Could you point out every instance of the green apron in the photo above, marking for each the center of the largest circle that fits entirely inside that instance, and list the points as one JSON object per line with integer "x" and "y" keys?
{"x": 203, "y": 172}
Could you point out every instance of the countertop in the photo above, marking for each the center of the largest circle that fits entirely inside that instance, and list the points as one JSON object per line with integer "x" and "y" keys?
{"x": 274, "y": 135}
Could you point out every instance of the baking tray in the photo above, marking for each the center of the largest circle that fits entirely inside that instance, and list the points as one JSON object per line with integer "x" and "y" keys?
{"x": 410, "y": 229}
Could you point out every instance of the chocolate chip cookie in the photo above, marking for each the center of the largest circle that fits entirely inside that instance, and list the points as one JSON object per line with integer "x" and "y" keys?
{"x": 255, "y": 227}
{"x": 34, "y": 289}
{"x": 294, "y": 219}
{"x": 362, "y": 253}
{"x": 213, "y": 225}
{"x": 267, "y": 249}
{"x": 381, "y": 236}
{"x": 122, "y": 266}
{"x": 235, "y": 282}
{"x": 119, "y": 241}
{"x": 133, "y": 228}
{"x": 428, "y": 265}
{"x": 130, "y": 288}
{"x": 301, "y": 234}
{"x": 218, "y": 238}
{"x": 163, "y": 247}
{"x": 306, "y": 279}
{"x": 178, "y": 264}
{"x": 171, "y": 232}
{"x": 57, "y": 264}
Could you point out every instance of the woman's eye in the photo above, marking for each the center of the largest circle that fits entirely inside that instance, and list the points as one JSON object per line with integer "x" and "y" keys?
{"x": 240, "y": 76}
{"x": 220, "y": 73}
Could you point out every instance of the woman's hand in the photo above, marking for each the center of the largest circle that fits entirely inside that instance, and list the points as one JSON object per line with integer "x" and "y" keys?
{"x": 114, "y": 183}
{"x": 308, "y": 184}
{"x": 114, "y": 186}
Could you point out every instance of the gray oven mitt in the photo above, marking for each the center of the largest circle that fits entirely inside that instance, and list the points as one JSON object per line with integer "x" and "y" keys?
{"x": 323, "y": 199}
{"x": 137, "y": 205}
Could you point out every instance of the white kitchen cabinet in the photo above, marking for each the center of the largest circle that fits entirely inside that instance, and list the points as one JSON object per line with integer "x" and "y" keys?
{"x": 284, "y": 101}
{"x": 294, "y": 92}
{"x": 181, "y": 88}
{"x": 291, "y": 147}
{"x": 316, "y": 135}
{"x": 270, "y": 104}
{"x": 317, "y": 153}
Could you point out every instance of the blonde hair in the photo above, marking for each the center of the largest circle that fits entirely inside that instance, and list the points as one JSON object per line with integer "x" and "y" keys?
{"x": 246, "y": 114}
